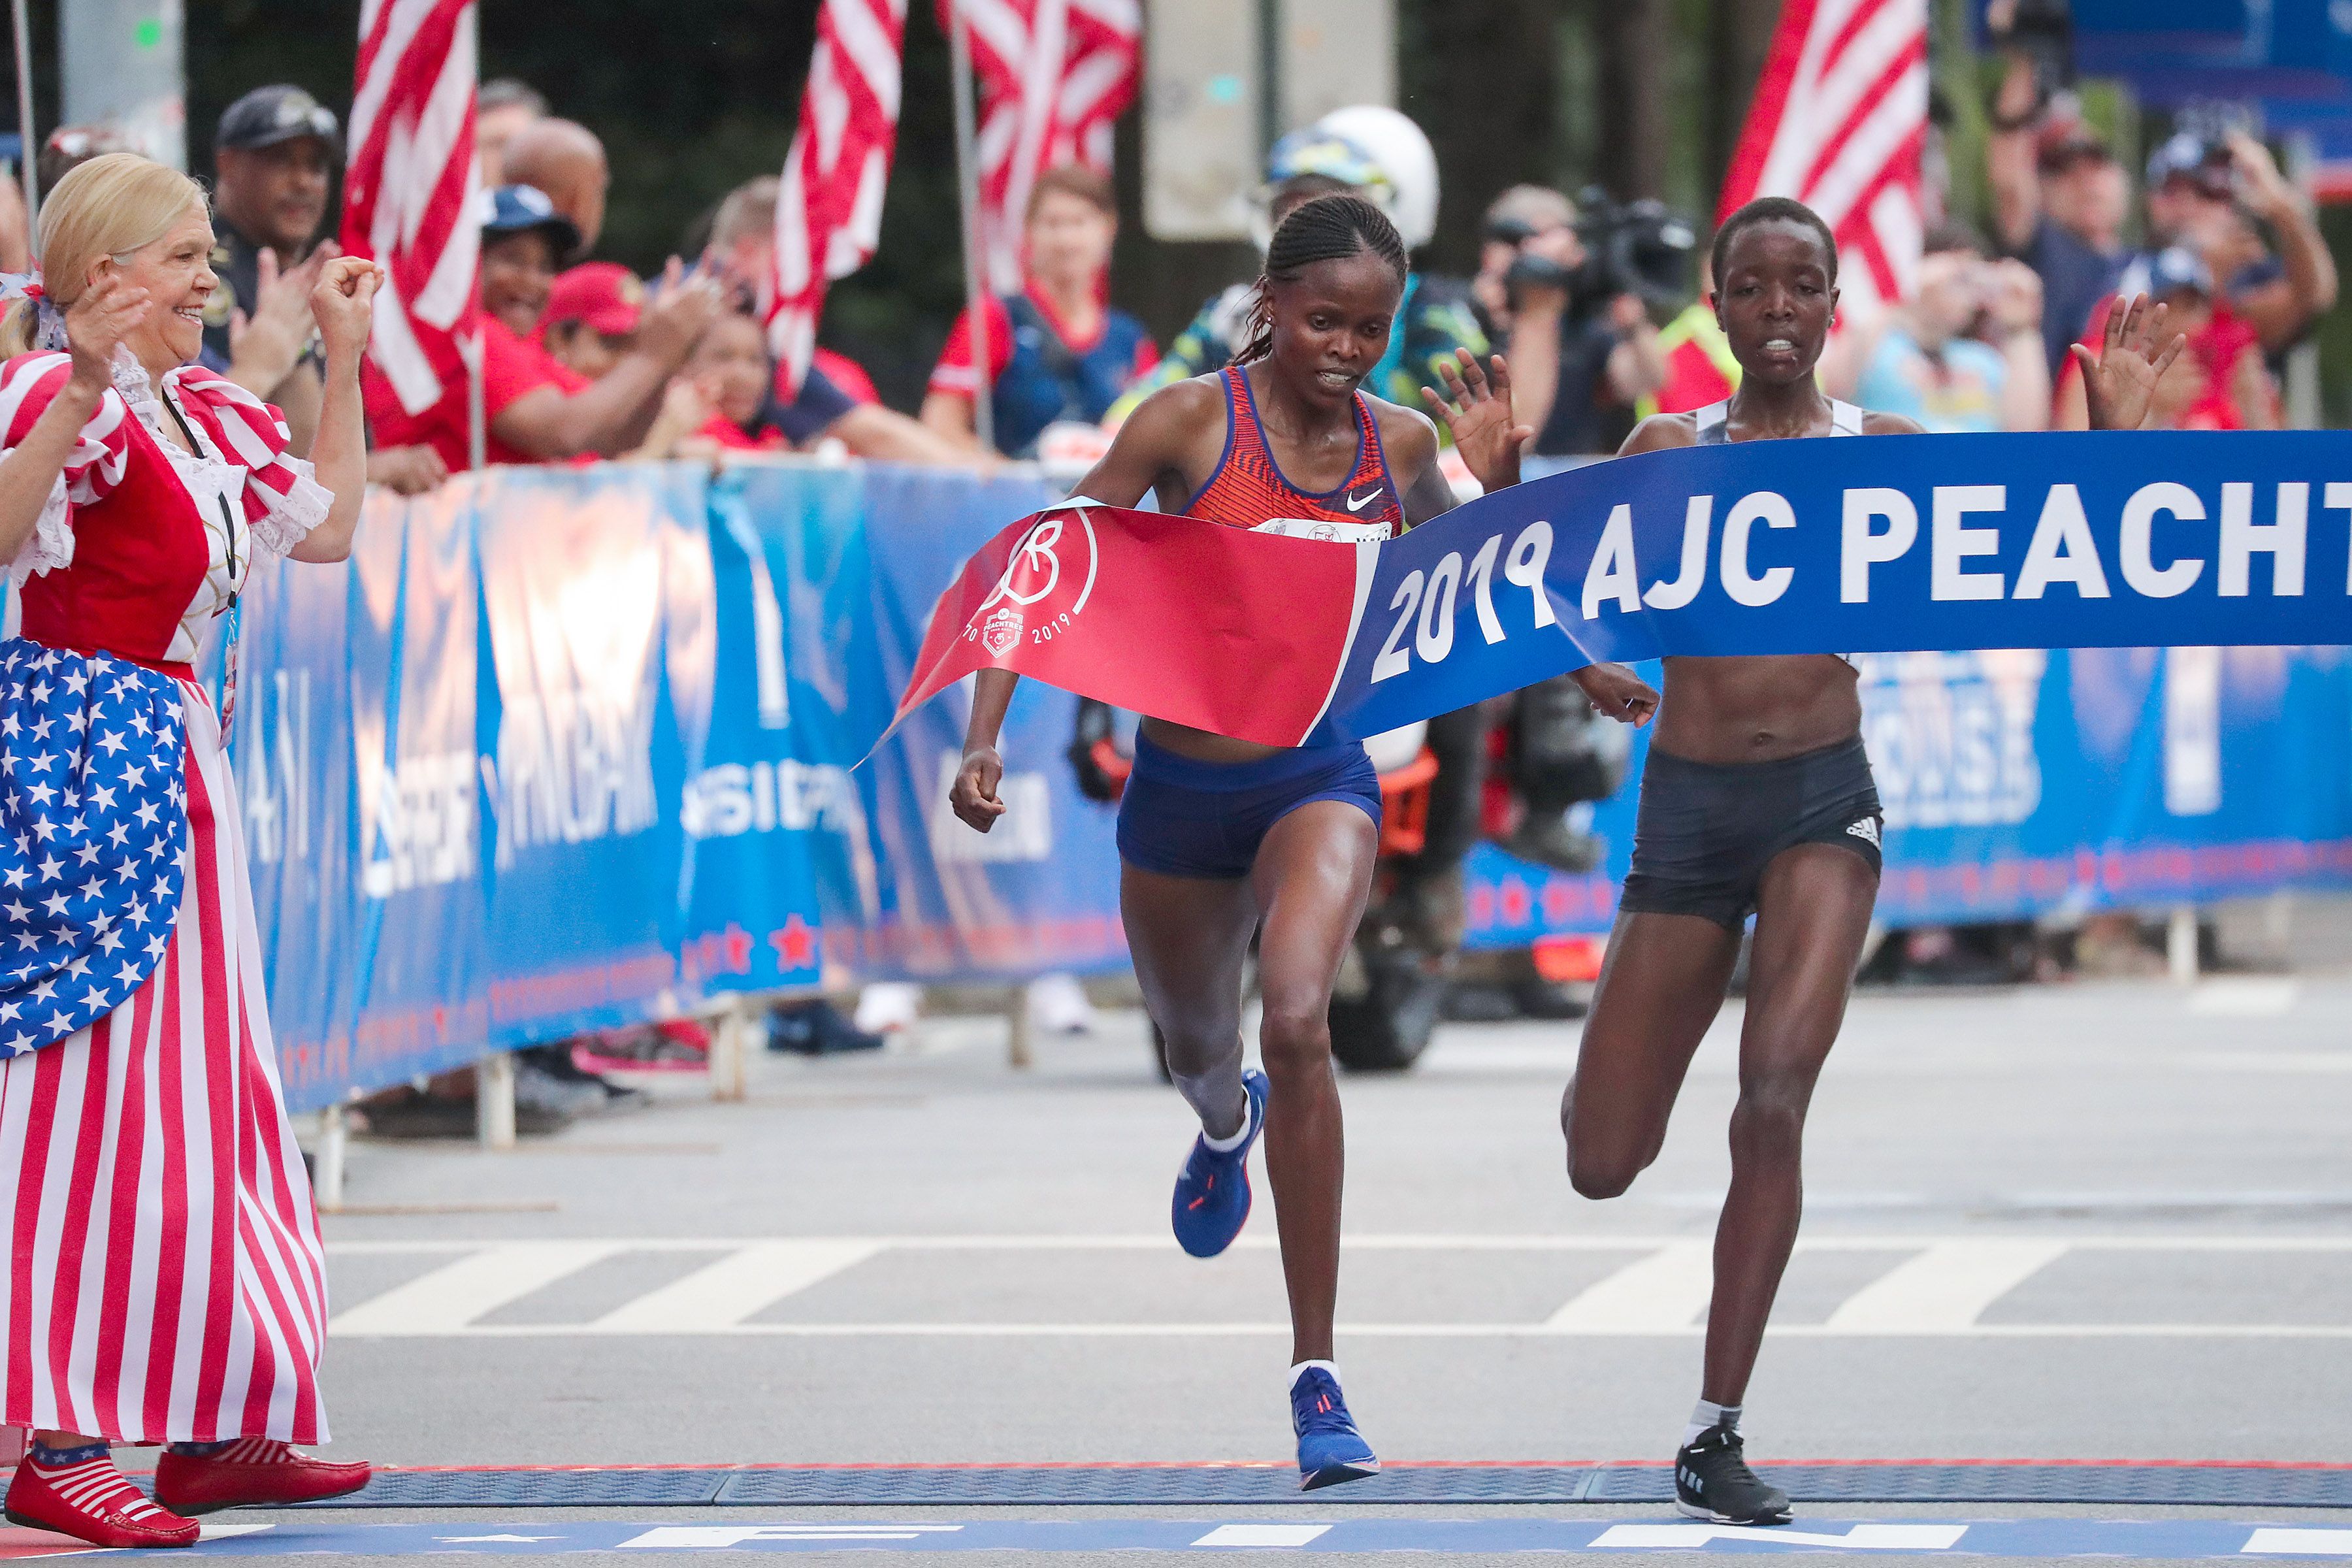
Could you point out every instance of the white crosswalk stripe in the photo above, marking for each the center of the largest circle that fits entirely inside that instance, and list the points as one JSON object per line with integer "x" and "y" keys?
{"x": 1665, "y": 1290}
{"x": 448, "y": 1299}
{"x": 1932, "y": 1286}
{"x": 1944, "y": 1289}
{"x": 745, "y": 1281}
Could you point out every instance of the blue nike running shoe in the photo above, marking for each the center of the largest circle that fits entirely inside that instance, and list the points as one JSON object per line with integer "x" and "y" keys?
{"x": 1212, "y": 1190}
{"x": 1330, "y": 1449}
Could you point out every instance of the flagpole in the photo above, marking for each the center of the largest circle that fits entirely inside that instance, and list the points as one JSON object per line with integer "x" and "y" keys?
{"x": 24, "y": 169}
{"x": 975, "y": 266}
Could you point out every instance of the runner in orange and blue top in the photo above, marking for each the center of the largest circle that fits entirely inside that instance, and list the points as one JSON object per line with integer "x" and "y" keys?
{"x": 1224, "y": 840}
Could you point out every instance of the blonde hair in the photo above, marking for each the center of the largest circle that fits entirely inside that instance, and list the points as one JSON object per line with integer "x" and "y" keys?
{"x": 109, "y": 207}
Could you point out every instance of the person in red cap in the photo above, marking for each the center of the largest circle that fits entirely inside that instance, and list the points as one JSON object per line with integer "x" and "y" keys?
{"x": 592, "y": 317}
{"x": 536, "y": 410}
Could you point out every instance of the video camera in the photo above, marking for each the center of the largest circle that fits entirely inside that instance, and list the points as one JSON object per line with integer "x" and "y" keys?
{"x": 1641, "y": 248}
{"x": 2043, "y": 32}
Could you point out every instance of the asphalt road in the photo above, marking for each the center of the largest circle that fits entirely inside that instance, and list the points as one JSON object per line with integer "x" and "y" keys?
{"x": 2098, "y": 1221}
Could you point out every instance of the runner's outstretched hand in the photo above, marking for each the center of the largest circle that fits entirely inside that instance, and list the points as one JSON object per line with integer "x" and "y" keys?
{"x": 1475, "y": 409}
{"x": 2120, "y": 383}
{"x": 1619, "y": 693}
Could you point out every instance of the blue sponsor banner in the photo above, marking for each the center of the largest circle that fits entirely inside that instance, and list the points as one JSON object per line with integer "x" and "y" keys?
{"x": 562, "y": 747}
{"x": 2022, "y": 783}
{"x": 1043, "y": 889}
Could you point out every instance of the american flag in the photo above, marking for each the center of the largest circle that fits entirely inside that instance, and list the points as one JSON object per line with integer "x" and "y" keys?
{"x": 408, "y": 194}
{"x": 1055, "y": 76}
{"x": 1838, "y": 122}
{"x": 829, "y": 207}
{"x": 93, "y": 836}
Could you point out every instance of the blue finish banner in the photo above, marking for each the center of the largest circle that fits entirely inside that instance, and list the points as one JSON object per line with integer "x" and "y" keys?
{"x": 1902, "y": 544}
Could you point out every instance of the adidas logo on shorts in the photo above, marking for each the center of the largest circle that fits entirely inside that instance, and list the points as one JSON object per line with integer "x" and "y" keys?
{"x": 1866, "y": 830}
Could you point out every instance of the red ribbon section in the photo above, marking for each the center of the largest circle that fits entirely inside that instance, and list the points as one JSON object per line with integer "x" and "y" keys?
{"x": 1237, "y": 633}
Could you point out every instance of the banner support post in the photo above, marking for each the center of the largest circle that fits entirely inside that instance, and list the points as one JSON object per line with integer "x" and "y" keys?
{"x": 493, "y": 1100}
{"x": 26, "y": 153}
{"x": 975, "y": 264}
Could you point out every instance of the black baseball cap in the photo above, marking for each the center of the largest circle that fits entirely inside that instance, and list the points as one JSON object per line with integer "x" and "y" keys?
{"x": 269, "y": 115}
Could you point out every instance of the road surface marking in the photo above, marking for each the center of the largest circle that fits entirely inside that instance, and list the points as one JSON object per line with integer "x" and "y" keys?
{"x": 1860, "y": 1537}
{"x": 447, "y": 1300}
{"x": 676, "y": 1537}
{"x": 2301, "y": 1543}
{"x": 1590, "y": 1241}
{"x": 1943, "y": 1290}
{"x": 1262, "y": 1534}
{"x": 1664, "y": 1291}
{"x": 724, "y": 1292}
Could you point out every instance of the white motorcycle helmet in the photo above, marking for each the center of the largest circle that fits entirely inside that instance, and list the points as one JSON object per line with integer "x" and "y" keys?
{"x": 1377, "y": 151}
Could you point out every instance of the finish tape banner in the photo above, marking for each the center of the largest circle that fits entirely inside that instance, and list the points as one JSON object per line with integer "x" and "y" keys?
{"x": 1889, "y": 544}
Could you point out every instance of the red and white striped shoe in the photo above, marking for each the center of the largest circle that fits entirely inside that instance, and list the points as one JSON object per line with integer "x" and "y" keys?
{"x": 91, "y": 1500}
{"x": 248, "y": 1472}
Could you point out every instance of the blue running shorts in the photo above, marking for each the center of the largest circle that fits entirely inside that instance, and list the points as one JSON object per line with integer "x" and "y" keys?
{"x": 1180, "y": 818}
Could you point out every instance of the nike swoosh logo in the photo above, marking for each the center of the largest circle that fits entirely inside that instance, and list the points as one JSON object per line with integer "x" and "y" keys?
{"x": 1355, "y": 505}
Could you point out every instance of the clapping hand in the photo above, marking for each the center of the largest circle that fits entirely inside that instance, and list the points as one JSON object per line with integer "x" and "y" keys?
{"x": 676, "y": 316}
{"x": 269, "y": 342}
{"x": 2119, "y": 385}
{"x": 109, "y": 311}
{"x": 1476, "y": 410}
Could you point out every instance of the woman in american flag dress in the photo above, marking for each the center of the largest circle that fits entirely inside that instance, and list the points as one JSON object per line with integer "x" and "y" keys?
{"x": 165, "y": 1282}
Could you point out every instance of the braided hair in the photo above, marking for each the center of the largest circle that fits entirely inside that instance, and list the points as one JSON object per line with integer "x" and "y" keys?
{"x": 1328, "y": 229}
{"x": 1770, "y": 209}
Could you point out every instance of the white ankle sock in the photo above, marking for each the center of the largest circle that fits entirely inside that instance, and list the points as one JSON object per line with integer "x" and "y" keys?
{"x": 1227, "y": 1146}
{"x": 1707, "y": 1417}
{"x": 1304, "y": 1367}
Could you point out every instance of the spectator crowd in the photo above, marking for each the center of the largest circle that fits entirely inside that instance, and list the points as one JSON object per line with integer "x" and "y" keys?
{"x": 582, "y": 360}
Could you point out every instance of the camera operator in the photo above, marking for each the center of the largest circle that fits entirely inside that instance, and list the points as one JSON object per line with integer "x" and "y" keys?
{"x": 1583, "y": 349}
{"x": 2208, "y": 186}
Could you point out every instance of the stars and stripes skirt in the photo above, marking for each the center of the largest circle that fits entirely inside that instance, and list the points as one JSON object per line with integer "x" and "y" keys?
{"x": 165, "y": 1281}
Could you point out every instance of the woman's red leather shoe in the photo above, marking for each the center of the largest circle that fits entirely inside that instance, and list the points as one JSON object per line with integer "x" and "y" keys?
{"x": 249, "y": 1472}
{"x": 91, "y": 1500}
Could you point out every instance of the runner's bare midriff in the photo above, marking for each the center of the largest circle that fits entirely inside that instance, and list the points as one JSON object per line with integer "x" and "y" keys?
{"x": 1203, "y": 745}
{"x": 1730, "y": 710}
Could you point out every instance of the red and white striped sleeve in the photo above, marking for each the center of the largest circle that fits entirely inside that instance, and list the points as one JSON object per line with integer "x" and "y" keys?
{"x": 283, "y": 498}
{"x": 27, "y": 385}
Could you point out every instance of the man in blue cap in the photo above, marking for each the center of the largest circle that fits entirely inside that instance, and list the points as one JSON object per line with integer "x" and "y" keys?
{"x": 273, "y": 159}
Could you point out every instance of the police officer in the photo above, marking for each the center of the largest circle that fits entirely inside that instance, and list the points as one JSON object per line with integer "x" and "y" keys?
{"x": 273, "y": 158}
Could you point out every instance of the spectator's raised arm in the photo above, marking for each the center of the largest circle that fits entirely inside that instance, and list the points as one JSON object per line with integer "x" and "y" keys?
{"x": 2282, "y": 310}
{"x": 2010, "y": 163}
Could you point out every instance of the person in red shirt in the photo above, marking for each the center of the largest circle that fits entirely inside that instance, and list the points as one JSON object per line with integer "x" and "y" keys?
{"x": 535, "y": 409}
{"x": 2219, "y": 383}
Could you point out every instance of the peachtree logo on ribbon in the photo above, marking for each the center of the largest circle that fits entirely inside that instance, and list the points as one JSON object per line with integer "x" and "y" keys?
{"x": 1031, "y": 575}
{"x": 1880, "y": 544}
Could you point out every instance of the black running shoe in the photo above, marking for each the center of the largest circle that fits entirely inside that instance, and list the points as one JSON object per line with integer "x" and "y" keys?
{"x": 1712, "y": 1482}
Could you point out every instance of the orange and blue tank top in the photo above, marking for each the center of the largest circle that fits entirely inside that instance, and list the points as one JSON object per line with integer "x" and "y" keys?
{"x": 1248, "y": 487}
